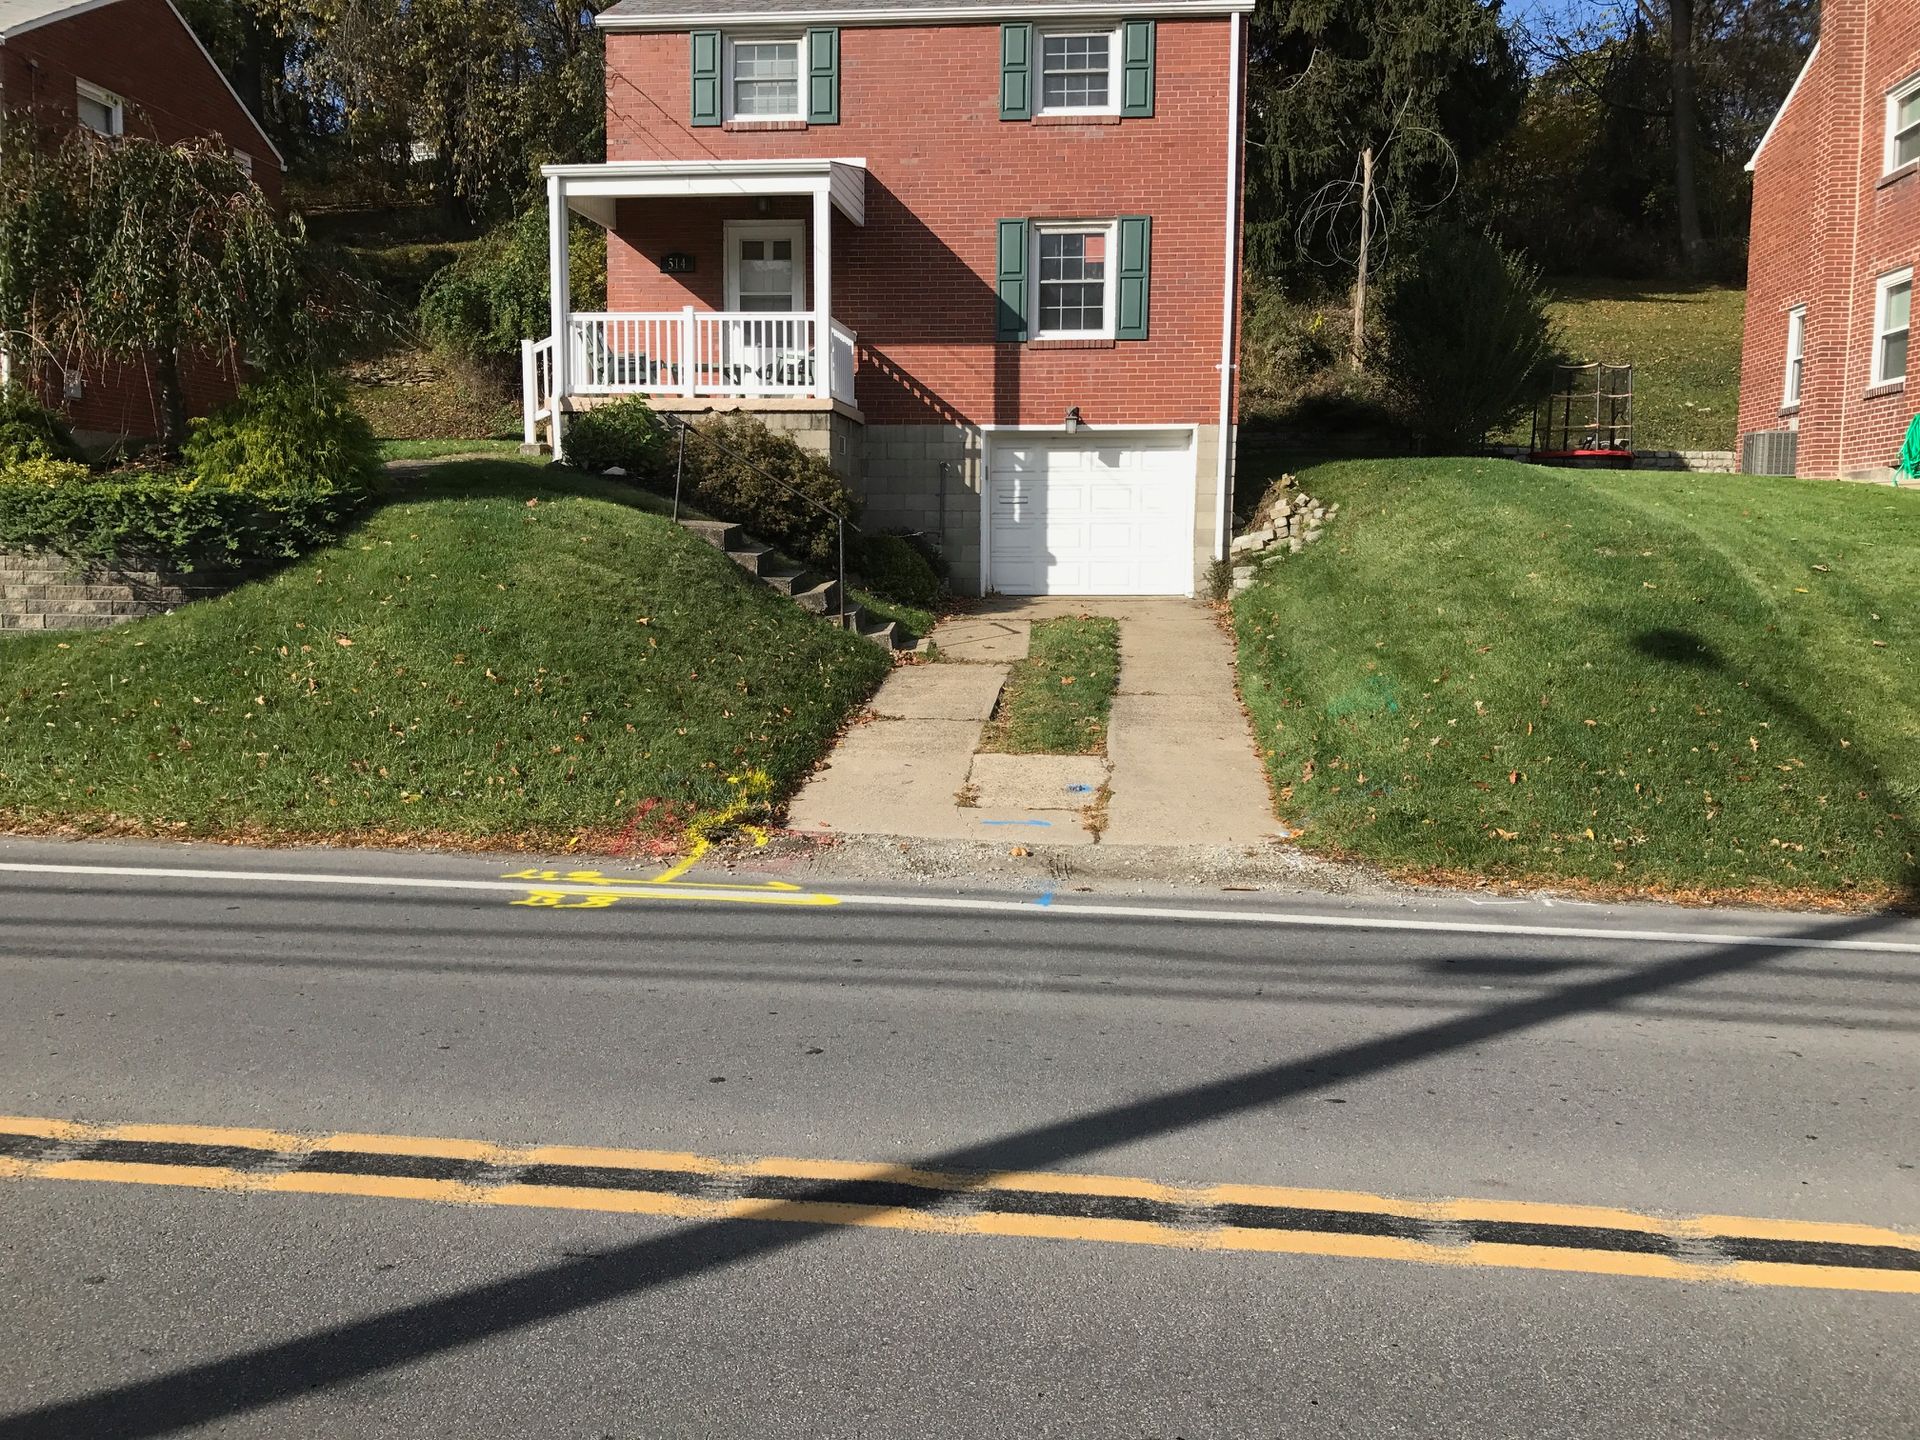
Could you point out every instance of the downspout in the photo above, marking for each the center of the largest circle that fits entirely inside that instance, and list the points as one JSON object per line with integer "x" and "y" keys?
{"x": 1229, "y": 292}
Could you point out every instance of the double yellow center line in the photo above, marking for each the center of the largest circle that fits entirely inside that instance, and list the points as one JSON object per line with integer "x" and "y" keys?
{"x": 1034, "y": 1204}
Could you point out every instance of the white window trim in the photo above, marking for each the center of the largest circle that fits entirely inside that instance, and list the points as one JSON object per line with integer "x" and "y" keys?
{"x": 1114, "y": 78}
{"x": 1108, "y": 298}
{"x": 799, "y": 42}
{"x": 1793, "y": 382}
{"x": 1906, "y": 90}
{"x": 116, "y": 107}
{"x": 1884, "y": 286}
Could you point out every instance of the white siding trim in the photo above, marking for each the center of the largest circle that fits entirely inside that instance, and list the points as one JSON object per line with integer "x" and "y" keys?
{"x": 1774, "y": 123}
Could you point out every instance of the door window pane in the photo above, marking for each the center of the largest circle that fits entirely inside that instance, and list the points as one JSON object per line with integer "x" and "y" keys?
{"x": 766, "y": 79}
{"x": 1074, "y": 71}
{"x": 766, "y": 274}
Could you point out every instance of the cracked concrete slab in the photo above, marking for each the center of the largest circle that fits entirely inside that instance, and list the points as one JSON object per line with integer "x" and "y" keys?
{"x": 1037, "y": 782}
{"x": 892, "y": 777}
{"x": 977, "y": 639}
{"x": 940, "y": 692}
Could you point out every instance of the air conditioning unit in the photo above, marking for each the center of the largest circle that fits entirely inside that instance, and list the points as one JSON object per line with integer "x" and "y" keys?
{"x": 1770, "y": 452}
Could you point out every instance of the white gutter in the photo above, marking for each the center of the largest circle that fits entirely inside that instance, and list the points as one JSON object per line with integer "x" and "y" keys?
{"x": 1223, "y": 521}
{"x": 917, "y": 14}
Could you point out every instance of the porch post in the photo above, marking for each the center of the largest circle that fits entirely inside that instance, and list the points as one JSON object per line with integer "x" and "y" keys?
{"x": 822, "y": 291}
{"x": 560, "y": 302}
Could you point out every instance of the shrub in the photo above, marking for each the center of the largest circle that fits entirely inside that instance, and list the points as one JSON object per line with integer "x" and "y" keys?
{"x": 40, "y": 470}
{"x": 1468, "y": 346}
{"x": 162, "y": 518}
{"x": 895, "y": 570}
{"x": 625, "y": 433}
{"x": 495, "y": 294}
{"x": 733, "y": 465}
{"x": 925, "y": 547}
{"x": 30, "y": 431}
{"x": 287, "y": 436}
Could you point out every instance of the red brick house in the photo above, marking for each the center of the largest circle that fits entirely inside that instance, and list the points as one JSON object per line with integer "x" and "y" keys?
{"x": 985, "y": 258}
{"x": 125, "y": 67}
{"x": 1824, "y": 373}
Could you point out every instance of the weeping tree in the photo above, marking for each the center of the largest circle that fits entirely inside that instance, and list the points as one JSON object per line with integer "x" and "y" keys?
{"x": 136, "y": 253}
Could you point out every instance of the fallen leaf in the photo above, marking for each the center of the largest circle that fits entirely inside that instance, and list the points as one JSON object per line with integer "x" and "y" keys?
{"x": 342, "y": 641}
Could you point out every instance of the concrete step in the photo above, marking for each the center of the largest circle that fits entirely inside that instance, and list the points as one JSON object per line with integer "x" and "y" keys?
{"x": 790, "y": 582}
{"x": 822, "y": 599}
{"x": 717, "y": 533}
{"x": 754, "y": 559}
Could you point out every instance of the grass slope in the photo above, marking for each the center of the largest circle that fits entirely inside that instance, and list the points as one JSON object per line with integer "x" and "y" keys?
{"x": 1683, "y": 344}
{"x": 1056, "y": 701}
{"x": 500, "y": 654}
{"x": 1693, "y": 683}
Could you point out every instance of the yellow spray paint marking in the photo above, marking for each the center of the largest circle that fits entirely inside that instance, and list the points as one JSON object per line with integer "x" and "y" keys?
{"x": 751, "y": 792}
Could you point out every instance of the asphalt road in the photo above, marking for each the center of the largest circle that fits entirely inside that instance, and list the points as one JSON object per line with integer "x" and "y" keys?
{"x": 1666, "y": 1064}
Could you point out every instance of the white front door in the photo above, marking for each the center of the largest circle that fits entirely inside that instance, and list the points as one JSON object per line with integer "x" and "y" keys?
{"x": 766, "y": 268}
{"x": 1090, "y": 515}
{"x": 767, "y": 276}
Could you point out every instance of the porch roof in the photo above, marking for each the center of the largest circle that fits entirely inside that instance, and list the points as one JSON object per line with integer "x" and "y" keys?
{"x": 591, "y": 190}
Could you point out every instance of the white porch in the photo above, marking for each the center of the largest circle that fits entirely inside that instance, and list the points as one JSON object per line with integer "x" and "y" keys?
{"x": 769, "y": 350}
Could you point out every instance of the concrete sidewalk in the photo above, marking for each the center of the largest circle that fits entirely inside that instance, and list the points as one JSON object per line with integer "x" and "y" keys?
{"x": 1180, "y": 768}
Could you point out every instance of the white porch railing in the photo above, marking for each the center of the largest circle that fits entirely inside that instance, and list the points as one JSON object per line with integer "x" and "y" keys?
{"x": 689, "y": 354}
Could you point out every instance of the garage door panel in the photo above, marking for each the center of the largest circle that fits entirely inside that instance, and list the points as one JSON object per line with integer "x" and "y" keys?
{"x": 1071, "y": 517}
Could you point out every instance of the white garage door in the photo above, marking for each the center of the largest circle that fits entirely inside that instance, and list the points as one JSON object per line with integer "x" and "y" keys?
{"x": 1090, "y": 515}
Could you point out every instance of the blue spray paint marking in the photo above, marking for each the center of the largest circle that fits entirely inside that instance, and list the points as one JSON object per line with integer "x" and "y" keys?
{"x": 1047, "y": 823}
{"x": 1079, "y": 789}
{"x": 1046, "y": 899}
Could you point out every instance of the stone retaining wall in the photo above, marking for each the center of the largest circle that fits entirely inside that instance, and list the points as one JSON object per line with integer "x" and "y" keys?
{"x": 43, "y": 591}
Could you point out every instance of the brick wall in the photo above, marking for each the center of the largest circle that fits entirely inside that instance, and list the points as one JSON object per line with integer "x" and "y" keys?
{"x": 921, "y": 106}
{"x": 142, "y": 52}
{"x": 1826, "y": 226}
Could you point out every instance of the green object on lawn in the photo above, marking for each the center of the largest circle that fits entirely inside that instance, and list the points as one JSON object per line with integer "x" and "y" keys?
{"x": 1909, "y": 465}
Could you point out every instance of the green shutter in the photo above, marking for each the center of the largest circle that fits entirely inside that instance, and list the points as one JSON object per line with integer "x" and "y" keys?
{"x": 1010, "y": 279}
{"x": 1016, "y": 72}
{"x": 706, "y": 77}
{"x": 1136, "y": 253}
{"x": 1136, "y": 67}
{"x": 823, "y": 76}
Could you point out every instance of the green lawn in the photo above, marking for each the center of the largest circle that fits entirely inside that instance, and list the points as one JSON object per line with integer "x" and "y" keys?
{"x": 1056, "y": 701}
{"x": 501, "y": 654}
{"x": 1684, "y": 346}
{"x": 1696, "y": 684}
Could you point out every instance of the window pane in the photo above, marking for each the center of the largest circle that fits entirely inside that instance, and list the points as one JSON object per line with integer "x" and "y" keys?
{"x": 95, "y": 115}
{"x": 1893, "y": 356}
{"x": 1906, "y": 112}
{"x": 1906, "y": 149}
{"x": 766, "y": 78}
{"x": 1897, "y": 309}
{"x": 1073, "y": 270}
{"x": 1073, "y": 71}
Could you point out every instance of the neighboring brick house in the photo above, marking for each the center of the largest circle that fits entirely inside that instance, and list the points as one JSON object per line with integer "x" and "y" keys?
{"x": 125, "y": 67}
{"x": 986, "y": 258}
{"x": 1836, "y": 242}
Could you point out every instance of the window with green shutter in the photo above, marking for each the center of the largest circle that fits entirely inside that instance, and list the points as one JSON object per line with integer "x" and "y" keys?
{"x": 1010, "y": 279}
{"x": 1016, "y": 72}
{"x": 1136, "y": 68}
{"x": 1130, "y": 297}
{"x": 706, "y": 77}
{"x": 823, "y": 76}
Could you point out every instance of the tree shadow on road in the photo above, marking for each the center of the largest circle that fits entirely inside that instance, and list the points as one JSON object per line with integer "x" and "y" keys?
{"x": 212, "y": 1390}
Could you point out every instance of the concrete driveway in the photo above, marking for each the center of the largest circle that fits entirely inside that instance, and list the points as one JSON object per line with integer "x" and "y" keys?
{"x": 1180, "y": 767}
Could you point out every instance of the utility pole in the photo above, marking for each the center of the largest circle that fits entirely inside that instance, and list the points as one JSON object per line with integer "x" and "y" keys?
{"x": 1366, "y": 242}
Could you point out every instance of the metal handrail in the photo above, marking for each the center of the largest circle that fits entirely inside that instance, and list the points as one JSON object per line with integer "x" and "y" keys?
{"x": 685, "y": 427}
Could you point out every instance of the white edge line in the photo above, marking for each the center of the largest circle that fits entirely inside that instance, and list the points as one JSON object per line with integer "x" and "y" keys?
{"x": 644, "y": 890}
